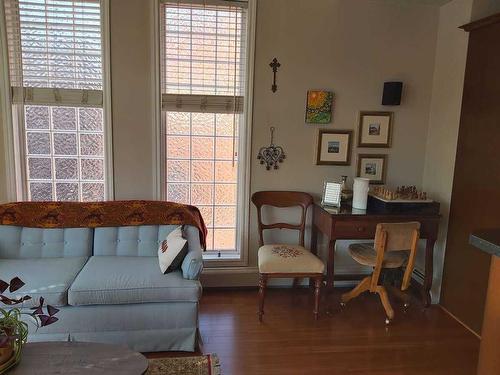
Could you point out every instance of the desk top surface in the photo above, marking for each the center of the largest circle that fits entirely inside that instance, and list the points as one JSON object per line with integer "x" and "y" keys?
{"x": 349, "y": 211}
{"x": 487, "y": 241}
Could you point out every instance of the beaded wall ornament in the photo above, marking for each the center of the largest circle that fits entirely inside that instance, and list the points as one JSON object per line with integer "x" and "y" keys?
{"x": 272, "y": 155}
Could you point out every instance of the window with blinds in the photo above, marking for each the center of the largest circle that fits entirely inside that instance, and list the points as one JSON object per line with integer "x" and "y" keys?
{"x": 203, "y": 59}
{"x": 56, "y": 73}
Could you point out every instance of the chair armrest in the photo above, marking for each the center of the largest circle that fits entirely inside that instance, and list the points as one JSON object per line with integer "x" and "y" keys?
{"x": 193, "y": 262}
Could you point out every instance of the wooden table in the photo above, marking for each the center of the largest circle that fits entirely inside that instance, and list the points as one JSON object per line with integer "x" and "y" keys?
{"x": 346, "y": 223}
{"x": 75, "y": 358}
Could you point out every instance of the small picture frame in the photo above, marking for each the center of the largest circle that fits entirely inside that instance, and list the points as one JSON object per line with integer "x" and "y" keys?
{"x": 334, "y": 147}
{"x": 375, "y": 129}
{"x": 372, "y": 167}
{"x": 319, "y": 107}
{"x": 331, "y": 194}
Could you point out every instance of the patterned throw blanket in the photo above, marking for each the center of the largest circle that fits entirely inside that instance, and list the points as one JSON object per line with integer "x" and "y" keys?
{"x": 101, "y": 214}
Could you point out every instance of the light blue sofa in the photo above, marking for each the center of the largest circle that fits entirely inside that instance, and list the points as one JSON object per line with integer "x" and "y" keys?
{"x": 107, "y": 284}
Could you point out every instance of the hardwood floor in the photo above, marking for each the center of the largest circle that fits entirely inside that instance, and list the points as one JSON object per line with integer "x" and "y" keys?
{"x": 352, "y": 341}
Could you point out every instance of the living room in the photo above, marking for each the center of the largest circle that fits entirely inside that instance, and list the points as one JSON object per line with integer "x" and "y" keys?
{"x": 175, "y": 124}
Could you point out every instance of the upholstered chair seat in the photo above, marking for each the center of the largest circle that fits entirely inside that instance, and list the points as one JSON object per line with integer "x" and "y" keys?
{"x": 281, "y": 258}
{"x": 365, "y": 254}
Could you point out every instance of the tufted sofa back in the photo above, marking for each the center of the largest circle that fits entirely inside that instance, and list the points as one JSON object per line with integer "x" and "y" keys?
{"x": 20, "y": 242}
{"x": 114, "y": 228}
{"x": 143, "y": 240}
{"x": 140, "y": 240}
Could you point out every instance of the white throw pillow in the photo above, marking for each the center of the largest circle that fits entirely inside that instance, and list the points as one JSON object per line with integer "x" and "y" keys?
{"x": 172, "y": 251}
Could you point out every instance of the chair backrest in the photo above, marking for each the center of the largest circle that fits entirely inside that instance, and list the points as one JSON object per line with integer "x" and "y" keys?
{"x": 396, "y": 237}
{"x": 399, "y": 235}
{"x": 282, "y": 199}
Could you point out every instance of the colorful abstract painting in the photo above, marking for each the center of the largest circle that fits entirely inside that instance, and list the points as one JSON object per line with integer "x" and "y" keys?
{"x": 319, "y": 107}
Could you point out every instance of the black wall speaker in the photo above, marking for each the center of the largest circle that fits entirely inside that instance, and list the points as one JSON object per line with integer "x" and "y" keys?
{"x": 392, "y": 93}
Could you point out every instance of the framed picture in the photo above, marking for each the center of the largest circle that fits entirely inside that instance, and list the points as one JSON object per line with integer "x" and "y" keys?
{"x": 372, "y": 167}
{"x": 331, "y": 194}
{"x": 375, "y": 129}
{"x": 319, "y": 107}
{"x": 334, "y": 147}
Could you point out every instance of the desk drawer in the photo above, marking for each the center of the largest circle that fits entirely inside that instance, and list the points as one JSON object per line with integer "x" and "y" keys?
{"x": 355, "y": 229}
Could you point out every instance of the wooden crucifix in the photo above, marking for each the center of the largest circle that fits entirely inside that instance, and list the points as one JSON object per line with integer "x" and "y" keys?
{"x": 274, "y": 65}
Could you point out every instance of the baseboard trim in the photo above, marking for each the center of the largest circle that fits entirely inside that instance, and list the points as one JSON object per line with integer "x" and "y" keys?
{"x": 229, "y": 270}
{"x": 248, "y": 277}
{"x": 460, "y": 322}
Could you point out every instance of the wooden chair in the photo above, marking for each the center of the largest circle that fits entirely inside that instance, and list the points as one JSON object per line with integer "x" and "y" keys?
{"x": 395, "y": 247}
{"x": 281, "y": 260}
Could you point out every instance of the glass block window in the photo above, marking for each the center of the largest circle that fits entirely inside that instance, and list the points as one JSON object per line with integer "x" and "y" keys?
{"x": 64, "y": 153}
{"x": 203, "y": 76}
{"x": 56, "y": 74}
{"x": 202, "y": 170}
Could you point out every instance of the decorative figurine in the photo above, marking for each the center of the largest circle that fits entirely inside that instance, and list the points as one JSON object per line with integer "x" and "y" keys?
{"x": 346, "y": 193}
{"x": 271, "y": 155}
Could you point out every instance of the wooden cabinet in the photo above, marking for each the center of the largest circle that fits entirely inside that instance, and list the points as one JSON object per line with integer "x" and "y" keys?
{"x": 475, "y": 202}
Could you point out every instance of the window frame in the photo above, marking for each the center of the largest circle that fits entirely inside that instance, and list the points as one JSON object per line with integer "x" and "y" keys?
{"x": 6, "y": 111}
{"x": 14, "y": 135}
{"x": 229, "y": 259}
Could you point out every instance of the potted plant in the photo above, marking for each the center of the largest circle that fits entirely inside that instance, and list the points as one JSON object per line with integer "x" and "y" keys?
{"x": 13, "y": 329}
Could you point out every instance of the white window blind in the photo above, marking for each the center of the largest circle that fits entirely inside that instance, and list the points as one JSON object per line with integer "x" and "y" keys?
{"x": 203, "y": 78}
{"x": 54, "y": 43}
{"x": 204, "y": 56}
{"x": 56, "y": 74}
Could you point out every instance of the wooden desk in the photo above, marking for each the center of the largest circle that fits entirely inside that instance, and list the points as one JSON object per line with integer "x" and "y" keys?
{"x": 347, "y": 223}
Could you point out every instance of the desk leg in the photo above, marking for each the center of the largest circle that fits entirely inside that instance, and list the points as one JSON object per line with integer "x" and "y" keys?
{"x": 429, "y": 271}
{"x": 330, "y": 273}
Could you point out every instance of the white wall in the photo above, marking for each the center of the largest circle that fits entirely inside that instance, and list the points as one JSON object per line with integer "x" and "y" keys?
{"x": 131, "y": 85}
{"x": 350, "y": 47}
{"x": 346, "y": 46}
{"x": 484, "y": 8}
{"x": 444, "y": 119}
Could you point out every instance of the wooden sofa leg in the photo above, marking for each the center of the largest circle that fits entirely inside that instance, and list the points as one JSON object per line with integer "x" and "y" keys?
{"x": 363, "y": 286}
{"x": 318, "y": 282}
{"x": 262, "y": 294}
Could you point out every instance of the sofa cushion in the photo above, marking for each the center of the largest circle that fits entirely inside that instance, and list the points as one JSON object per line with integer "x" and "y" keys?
{"x": 49, "y": 278}
{"x": 172, "y": 251}
{"x": 141, "y": 240}
{"x": 192, "y": 264}
{"x": 120, "y": 280}
{"x": 21, "y": 242}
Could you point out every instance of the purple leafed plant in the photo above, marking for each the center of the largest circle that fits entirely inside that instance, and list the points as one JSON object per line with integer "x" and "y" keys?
{"x": 12, "y": 328}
